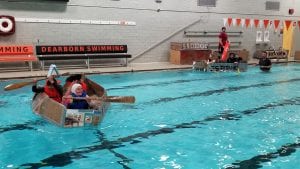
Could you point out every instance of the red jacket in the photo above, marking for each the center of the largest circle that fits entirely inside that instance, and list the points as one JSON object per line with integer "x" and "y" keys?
{"x": 52, "y": 93}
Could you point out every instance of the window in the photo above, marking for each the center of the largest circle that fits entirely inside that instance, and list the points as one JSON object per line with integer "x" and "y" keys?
{"x": 207, "y": 3}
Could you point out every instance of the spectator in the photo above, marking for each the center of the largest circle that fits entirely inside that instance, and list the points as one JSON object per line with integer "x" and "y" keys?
{"x": 232, "y": 58}
{"x": 264, "y": 62}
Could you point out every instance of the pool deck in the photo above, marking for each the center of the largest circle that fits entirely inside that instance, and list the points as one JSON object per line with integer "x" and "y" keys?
{"x": 133, "y": 67}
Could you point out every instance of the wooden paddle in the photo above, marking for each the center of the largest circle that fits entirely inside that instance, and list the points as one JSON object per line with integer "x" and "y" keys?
{"x": 115, "y": 99}
{"x": 19, "y": 85}
{"x": 120, "y": 99}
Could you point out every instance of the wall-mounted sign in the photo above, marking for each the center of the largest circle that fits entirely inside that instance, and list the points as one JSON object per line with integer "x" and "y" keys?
{"x": 277, "y": 54}
{"x": 266, "y": 36}
{"x": 7, "y": 25}
{"x": 194, "y": 45}
{"x": 80, "y": 49}
{"x": 189, "y": 46}
{"x": 259, "y": 36}
{"x": 17, "y": 53}
{"x": 76, "y": 21}
{"x": 16, "y": 50}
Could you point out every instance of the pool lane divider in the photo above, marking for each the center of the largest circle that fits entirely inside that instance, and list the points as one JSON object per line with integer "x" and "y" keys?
{"x": 123, "y": 159}
{"x": 219, "y": 91}
{"x": 167, "y": 83}
{"x": 154, "y": 84}
{"x": 29, "y": 125}
{"x": 257, "y": 161}
{"x": 64, "y": 159}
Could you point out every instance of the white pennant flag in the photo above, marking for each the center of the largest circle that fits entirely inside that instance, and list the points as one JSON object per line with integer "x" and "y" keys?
{"x": 224, "y": 21}
{"x": 261, "y": 24}
{"x": 233, "y": 21}
{"x": 251, "y": 23}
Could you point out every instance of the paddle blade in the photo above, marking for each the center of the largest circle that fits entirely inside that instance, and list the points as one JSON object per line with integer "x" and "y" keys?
{"x": 22, "y": 84}
{"x": 120, "y": 99}
{"x": 17, "y": 85}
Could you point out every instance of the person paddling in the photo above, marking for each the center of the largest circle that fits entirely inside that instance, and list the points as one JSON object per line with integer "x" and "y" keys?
{"x": 52, "y": 86}
{"x": 75, "y": 78}
{"x": 76, "y": 98}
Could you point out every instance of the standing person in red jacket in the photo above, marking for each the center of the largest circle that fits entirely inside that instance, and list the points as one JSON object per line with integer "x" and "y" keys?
{"x": 223, "y": 39}
{"x": 52, "y": 86}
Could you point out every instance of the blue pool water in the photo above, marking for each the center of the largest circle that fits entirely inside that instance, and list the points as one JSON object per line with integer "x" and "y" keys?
{"x": 182, "y": 119}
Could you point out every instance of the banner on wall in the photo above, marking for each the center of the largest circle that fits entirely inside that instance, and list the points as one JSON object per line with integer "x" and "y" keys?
{"x": 80, "y": 49}
{"x": 16, "y": 50}
{"x": 12, "y": 53}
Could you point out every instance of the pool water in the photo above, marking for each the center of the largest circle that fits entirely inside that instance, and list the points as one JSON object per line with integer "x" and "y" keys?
{"x": 182, "y": 119}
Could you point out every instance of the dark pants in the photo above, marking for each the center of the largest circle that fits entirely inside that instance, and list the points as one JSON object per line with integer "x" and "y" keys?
{"x": 220, "y": 49}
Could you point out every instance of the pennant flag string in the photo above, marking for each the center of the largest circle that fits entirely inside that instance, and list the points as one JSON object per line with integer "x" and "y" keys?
{"x": 260, "y": 23}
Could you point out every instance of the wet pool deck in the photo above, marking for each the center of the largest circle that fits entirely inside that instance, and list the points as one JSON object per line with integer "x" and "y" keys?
{"x": 133, "y": 67}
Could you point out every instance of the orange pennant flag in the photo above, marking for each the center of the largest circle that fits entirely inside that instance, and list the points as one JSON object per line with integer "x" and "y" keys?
{"x": 288, "y": 24}
{"x": 229, "y": 21}
{"x": 256, "y": 22}
{"x": 238, "y": 21}
{"x": 247, "y": 22}
{"x": 276, "y": 23}
{"x": 266, "y": 23}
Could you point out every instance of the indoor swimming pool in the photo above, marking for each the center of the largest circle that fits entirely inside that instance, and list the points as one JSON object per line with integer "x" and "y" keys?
{"x": 182, "y": 119}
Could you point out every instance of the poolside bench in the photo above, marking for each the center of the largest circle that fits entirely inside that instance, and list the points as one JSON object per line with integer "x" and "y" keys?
{"x": 82, "y": 53}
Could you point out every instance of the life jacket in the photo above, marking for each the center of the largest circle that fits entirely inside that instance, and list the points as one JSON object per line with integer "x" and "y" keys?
{"x": 53, "y": 93}
{"x": 79, "y": 104}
